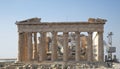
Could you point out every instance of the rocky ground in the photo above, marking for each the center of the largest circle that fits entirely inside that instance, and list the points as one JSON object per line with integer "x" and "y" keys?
{"x": 60, "y": 66}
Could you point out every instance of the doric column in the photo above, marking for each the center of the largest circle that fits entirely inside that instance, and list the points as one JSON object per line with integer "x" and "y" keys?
{"x": 30, "y": 49}
{"x": 65, "y": 46}
{"x": 25, "y": 47}
{"x": 54, "y": 46}
{"x": 20, "y": 46}
{"x": 90, "y": 48}
{"x": 77, "y": 52}
{"x": 46, "y": 44}
{"x": 39, "y": 49}
{"x": 35, "y": 46}
{"x": 42, "y": 52}
{"x": 100, "y": 47}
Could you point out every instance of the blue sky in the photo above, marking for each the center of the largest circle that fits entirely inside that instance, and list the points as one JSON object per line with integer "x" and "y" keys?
{"x": 55, "y": 10}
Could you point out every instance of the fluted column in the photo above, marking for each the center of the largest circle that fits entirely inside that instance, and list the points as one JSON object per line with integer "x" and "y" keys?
{"x": 100, "y": 47}
{"x": 42, "y": 51}
{"x": 65, "y": 46}
{"x": 39, "y": 49}
{"x": 30, "y": 49}
{"x": 90, "y": 48}
{"x": 25, "y": 46}
{"x": 54, "y": 46}
{"x": 22, "y": 49}
{"x": 35, "y": 46}
{"x": 77, "y": 52}
{"x": 20, "y": 46}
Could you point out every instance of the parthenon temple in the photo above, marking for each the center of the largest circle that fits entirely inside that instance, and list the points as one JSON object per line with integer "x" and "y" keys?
{"x": 60, "y": 41}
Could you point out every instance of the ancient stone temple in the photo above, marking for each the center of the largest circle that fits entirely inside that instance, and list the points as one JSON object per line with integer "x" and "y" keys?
{"x": 40, "y": 41}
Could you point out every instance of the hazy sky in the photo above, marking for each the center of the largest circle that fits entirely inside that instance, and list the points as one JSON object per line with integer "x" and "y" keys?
{"x": 55, "y": 10}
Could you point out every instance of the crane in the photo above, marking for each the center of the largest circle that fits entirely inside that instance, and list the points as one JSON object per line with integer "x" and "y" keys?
{"x": 110, "y": 49}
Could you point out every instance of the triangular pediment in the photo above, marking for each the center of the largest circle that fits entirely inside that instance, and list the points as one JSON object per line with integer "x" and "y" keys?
{"x": 31, "y": 20}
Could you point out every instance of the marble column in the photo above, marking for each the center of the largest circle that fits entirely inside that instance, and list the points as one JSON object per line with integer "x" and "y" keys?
{"x": 20, "y": 46}
{"x": 65, "y": 46}
{"x": 35, "y": 47}
{"x": 30, "y": 49}
{"x": 47, "y": 44}
{"x": 77, "y": 51}
{"x": 42, "y": 51}
{"x": 90, "y": 47}
{"x": 54, "y": 46}
{"x": 100, "y": 47}
{"x": 25, "y": 46}
{"x": 39, "y": 49}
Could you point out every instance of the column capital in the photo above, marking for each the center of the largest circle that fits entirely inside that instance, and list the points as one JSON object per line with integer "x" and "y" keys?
{"x": 41, "y": 32}
{"x": 77, "y": 32}
{"x": 20, "y": 32}
{"x": 90, "y": 32}
{"x": 100, "y": 32}
{"x": 65, "y": 32}
{"x": 54, "y": 32}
